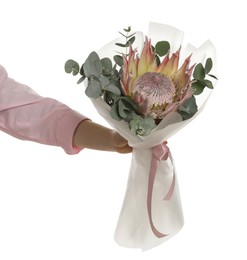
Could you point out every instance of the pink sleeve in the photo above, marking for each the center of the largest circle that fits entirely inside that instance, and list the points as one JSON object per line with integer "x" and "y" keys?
{"x": 26, "y": 115}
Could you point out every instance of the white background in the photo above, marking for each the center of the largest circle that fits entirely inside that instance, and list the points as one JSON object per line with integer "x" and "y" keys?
{"x": 56, "y": 206}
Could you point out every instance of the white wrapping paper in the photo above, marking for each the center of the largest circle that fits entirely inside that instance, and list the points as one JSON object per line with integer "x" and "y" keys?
{"x": 133, "y": 227}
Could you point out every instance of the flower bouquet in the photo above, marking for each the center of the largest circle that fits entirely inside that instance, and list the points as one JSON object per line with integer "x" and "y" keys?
{"x": 147, "y": 90}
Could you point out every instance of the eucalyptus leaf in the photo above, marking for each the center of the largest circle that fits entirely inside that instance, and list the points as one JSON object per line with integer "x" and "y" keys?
{"x": 128, "y": 29}
{"x": 199, "y": 87}
{"x": 92, "y": 66}
{"x": 106, "y": 66}
{"x": 157, "y": 58}
{"x": 104, "y": 80}
{"x": 209, "y": 83}
{"x": 189, "y": 108}
{"x": 128, "y": 116}
{"x": 114, "y": 112}
{"x": 119, "y": 60}
{"x": 121, "y": 109}
{"x": 112, "y": 88}
{"x": 121, "y": 44}
{"x": 116, "y": 74}
{"x": 130, "y": 41}
{"x": 212, "y": 76}
{"x": 206, "y": 83}
{"x": 141, "y": 126}
{"x": 208, "y": 65}
{"x": 124, "y": 110}
{"x": 129, "y": 102}
{"x": 199, "y": 72}
{"x": 94, "y": 89}
{"x": 114, "y": 67}
{"x": 72, "y": 66}
{"x": 82, "y": 70}
{"x": 162, "y": 48}
{"x": 81, "y": 79}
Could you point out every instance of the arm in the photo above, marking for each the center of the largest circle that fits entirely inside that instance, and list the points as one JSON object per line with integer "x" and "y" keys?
{"x": 27, "y": 116}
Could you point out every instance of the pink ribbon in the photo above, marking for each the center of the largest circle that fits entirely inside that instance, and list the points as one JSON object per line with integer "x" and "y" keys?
{"x": 159, "y": 153}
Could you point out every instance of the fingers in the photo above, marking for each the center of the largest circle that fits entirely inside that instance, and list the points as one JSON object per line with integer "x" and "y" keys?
{"x": 121, "y": 144}
{"x": 125, "y": 149}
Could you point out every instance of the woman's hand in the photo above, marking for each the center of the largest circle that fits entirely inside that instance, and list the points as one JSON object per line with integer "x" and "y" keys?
{"x": 94, "y": 136}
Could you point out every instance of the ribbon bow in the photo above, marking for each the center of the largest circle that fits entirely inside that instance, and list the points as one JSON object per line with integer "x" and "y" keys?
{"x": 160, "y": 152}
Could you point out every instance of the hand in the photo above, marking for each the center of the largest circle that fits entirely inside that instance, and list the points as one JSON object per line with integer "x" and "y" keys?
{"x": 94, "y": 136}
{"x": 121, "y": 144}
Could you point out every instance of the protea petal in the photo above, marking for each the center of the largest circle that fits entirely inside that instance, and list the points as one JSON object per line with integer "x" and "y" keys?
{"x": 142, "y": 103}
{"x": 151, "y": 61}
{"x": 183, "y": 74}
{"x": 169, "y": 108}
{"x": 147, "y": 59}
{"x": 129, "y": 72}
{"x": 125, "y": 77}
{"x": 172, "y": 65}
{"x": 163, "y": 63}
{"x": 187, "y": 94}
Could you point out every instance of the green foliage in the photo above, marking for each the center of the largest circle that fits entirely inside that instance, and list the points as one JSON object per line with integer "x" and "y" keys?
{"x": 81, "y": 79}
{"x": 128, "y": 29}
{"x": 102, "y": 76}
{"x": 94, "y": 88}
{"x": 119, "y": 60}
{"x": 141, "y": 125}
{"x": 111, "y": 87}
{"x": 198, "y": 87}
{"x": 129, "y": 40}
{"x": 208, "y": 65}
{"x": 106, "y": 66}
{"x": 200, "y": 73}
{"x": 162, "y": 48}
{"x": 92, "y": 66}
{"x": 123, "y": 108}
{"x": 72, "y": 66}
{"x": 188, "y": 109}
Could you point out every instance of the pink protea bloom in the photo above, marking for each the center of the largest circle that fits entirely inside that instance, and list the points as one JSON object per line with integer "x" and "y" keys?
{"x": 156, "y": 89}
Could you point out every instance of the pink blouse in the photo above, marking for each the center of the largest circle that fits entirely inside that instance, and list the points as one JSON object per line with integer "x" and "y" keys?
{"x": 27, "y": 116}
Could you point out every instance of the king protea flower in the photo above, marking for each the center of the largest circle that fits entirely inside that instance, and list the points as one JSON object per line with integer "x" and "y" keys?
{"x": 156, "y": 89}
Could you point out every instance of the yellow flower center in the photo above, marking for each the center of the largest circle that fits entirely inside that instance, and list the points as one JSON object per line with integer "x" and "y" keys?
{"x": 155, "y": 87}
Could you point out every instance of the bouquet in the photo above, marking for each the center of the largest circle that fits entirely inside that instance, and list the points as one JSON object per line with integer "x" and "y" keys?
{"x": 147, "y": 89}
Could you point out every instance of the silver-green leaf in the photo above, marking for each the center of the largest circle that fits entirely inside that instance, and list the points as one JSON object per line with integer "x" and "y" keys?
{"x": 141, "y": 126}
{"x": 119, "y": 60}
{"x": 94, "y": 89}
{"x": 112, "y": 88}
{"x": 189, "y": 108}
{"x": 92, "y": 66}
{"x": 72, "y": 66}
{"x": 106, "y": 66}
